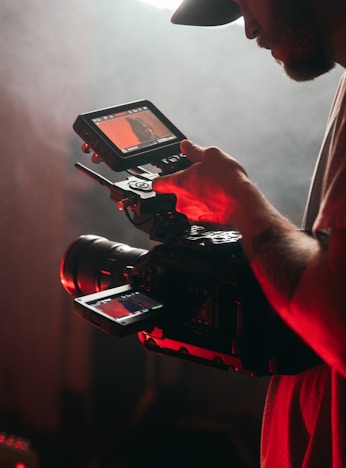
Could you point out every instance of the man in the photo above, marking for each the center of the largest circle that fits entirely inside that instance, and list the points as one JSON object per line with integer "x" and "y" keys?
{"x": 303, "y": 276}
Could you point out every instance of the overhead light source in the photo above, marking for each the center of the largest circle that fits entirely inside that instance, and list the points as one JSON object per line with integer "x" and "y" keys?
{"x": 167, "y": 4}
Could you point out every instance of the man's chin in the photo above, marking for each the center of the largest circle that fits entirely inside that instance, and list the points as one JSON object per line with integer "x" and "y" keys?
{"x": 305, "y": 73}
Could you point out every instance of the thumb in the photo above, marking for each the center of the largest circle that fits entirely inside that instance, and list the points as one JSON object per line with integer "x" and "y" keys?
{"x": 191, "y": 150}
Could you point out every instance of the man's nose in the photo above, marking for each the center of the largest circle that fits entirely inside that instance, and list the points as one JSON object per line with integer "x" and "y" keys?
{"x": 251, "y": 27}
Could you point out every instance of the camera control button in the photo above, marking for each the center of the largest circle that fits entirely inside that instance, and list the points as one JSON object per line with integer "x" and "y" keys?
{"x": 141, "y": 185}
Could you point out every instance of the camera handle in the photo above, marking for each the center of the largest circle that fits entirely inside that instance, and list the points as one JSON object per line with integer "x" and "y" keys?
{"x": 128, "y": 193}
{"x": 152, "y": 213}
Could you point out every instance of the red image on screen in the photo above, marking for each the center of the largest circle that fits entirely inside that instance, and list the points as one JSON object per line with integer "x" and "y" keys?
{"x": 134, "y": 129}
{"x": 125, "y": 305}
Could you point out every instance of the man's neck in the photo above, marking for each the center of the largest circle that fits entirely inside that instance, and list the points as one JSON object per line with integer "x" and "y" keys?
{"x": 339, "y": 45}
{"x": 333, "y": 16}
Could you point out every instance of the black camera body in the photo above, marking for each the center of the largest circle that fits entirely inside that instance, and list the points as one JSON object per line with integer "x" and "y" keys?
{"x": 194, "y": 295}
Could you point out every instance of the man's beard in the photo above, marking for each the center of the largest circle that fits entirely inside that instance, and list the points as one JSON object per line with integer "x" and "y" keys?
{"x": 309, "y": 65}
{"x": 306, "y": 54}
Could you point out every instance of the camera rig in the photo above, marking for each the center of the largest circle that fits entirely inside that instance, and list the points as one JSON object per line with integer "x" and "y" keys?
{"x": 211, "y": 308}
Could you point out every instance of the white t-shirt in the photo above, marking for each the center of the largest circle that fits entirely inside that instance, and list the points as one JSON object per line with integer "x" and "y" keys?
{"x": 304, "y": 422}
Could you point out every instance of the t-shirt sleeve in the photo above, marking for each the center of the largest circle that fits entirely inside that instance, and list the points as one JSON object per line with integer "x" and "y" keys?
{"x": 332, "y": 212}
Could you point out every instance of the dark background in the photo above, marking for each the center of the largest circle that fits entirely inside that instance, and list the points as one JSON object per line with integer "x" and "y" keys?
{"x": 80, "y": 397}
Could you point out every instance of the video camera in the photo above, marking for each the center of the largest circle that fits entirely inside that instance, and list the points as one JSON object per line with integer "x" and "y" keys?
{"x": 193, "y": 295}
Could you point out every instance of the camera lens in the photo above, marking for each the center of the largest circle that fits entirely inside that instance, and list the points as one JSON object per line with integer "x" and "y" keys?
{"x": 92, "y": 264}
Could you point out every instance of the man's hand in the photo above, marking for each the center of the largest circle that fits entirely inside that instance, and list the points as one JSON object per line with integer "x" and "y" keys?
{"x": 209, "y": 191}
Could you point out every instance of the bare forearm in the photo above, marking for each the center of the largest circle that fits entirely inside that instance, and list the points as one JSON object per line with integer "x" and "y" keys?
{"x": 280, "y": 256}
{"x": 294, "y": 271}
{"x": 270, "y": 236}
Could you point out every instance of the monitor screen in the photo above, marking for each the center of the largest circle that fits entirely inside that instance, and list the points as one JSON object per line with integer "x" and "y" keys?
{"x": 134, "y": 129}
{"x": 132, "y": 303}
